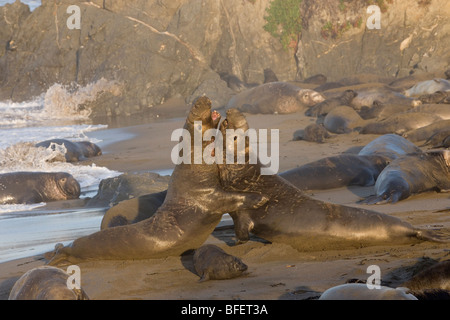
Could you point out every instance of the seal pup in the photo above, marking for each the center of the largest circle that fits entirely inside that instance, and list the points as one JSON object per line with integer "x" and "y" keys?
{"x": 412, "y": 174}
{"x": 381, "y": 111}
{"x": 76, "y": 150}
{"x": 343, "y": 119}
{"x": 324, "y": 107}
{"x": 337, "y": 171}
{"x": 275, "y": 97}
{"x": 313, "y": 133}
{"x": 360, "y": 291}
{"x": 194, "y": 205}
{"x": 292, "y": 217}
{"x": 428, "y": 87}
{"x": 36, "y": 187}
{"x": 213, "y": 263}
{"x": 45, "y": 283}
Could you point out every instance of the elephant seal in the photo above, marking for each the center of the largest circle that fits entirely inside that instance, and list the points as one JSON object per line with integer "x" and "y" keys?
{"x": 45, "y": 283}
{"x": 193, "y": 207}
{"x": 213, "y": 263}
{"x": 412, "y": 174}
{"x": 275, "y": 97}
{"x": 133, "y": 210}
{"x": 436, "y": 276}
{"x": 343, "y": 119}
{"x": 292, "y": 217}
{"x": 382, "y": 93}
{"x": 389, "y": 145}
{"x": 36, "y": 187}
{"x": 76, "y": 151}
{"x": 360, "y": 291}
{"x": 436, "y": 97}
{"x": 440, "y": 139}
{"x": 317, "y": 79}
{"x": 400, "y": 123}
{"x": 381, "y": 111}
{"x": 336, "y": 172}
{"x": 423, "y": 133}
{"x": 329, "y": 104}
{"x": 270, "y": 76}
{"x": 440, "y": 110}
{"x": 428, "y": 87}
{"x": 313, "y": 133}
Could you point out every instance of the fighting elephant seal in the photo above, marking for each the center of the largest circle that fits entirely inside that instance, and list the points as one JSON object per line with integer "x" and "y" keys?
{"x": 360, "y": 291}
{"x": 292, "y": 217}
{"x": 36, "y": 187}
{"x": 412, "y": 174}
{"x": 76, "y": 151}
{"x": 275, "y": 97}
{"x": 193, "y": 207}
{"x": 45, "y": 283}
{"x": 337, "y": 171}
{"x": 213, "y": 263}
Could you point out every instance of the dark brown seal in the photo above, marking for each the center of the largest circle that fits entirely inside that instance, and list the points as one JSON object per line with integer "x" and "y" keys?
{"x": 324, "y": 107}
{"x": 36, "y": 187}
{"x": 292, "y": 217}
{"x": 213, "y": 263}
{"x": 45, "y": 283}
{"x": 193, "y": 207}
{"x": 76, "y": 150}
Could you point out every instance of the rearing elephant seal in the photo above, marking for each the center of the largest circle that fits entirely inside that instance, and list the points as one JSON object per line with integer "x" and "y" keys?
{"x": 36, "y": 187}
{"x": 45, "y": 283}
{"x": 275, "y": 97}
{"x": 76, "y": 151}
{"x": 212, "y": 263}
{"x": 193, "y": 207}
{"x": 292, "y": 217}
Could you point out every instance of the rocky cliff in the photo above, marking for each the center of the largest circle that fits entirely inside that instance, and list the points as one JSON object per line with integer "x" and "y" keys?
{"x": 158, "y": 49}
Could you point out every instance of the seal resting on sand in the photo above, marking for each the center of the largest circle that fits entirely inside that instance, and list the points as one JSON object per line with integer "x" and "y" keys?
{"x": 412, "y": 174}
{"x": 76, "y": 151}
{"x": 212, "y": 263}
{"x": 45, "y": 283}
{"x": 292, "y": 217}
{"x": 275, "y": 97}
{"x": 36, "y": 187}
{"x": 193, "y": 207}
{"x": 360, "y": 291}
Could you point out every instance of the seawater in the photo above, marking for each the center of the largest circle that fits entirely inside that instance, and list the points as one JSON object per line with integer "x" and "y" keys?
{"x": 33, "y": 4}
{"x": 27, "y": 230}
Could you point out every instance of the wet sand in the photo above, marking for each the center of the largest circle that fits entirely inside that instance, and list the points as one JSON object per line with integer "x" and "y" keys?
{"x": 275, "y": 271}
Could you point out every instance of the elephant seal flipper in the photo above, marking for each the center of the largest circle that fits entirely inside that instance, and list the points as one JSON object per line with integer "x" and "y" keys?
{"x": 213, "y": 263}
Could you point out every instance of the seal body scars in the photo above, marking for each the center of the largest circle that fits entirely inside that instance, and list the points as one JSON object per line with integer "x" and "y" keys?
{"x": 275, "y": 97}
{"x": 76, "y": 151}
{"x": 194, "y": 205}
{"x": 36, "y": 187}
{"x": 213, "y": 263}
{"x": 45, "y": 283}
{"x": 412, "y": 174}
{"x": 292, "y": 217}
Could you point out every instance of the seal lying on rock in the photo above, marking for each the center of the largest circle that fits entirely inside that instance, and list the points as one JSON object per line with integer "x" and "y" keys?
{"x": 45, "y": 283}
{"x": 275, "y": 97}
{"x": 193, "y": 207}
{"x": 76, "y": 151}
{"x": 212, "y": 263}
{"x": 412, "y": 174}
{"x": 292, "y": 217}
{"x": 36, "y": 187}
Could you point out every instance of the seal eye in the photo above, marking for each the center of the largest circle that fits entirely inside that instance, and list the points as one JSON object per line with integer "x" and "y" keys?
{"x": 63, "y": 180}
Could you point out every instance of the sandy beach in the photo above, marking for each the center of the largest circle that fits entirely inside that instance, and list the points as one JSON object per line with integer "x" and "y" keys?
{"x": 275, "y": 271}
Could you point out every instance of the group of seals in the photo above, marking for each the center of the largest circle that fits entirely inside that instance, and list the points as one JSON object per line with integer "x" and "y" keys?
{"x": 36, "y": 187}
{"x": 193, "y": 207}
{"x": 76, "y": 151}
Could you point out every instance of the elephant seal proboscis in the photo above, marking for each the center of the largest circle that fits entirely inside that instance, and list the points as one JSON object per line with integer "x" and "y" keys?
{"x": 76, "y": 150}
{"x": 45, "y": 283}
{"x": 360, "y": 291}
{"x": 36, "y": 187}
{"x": 337, "y": 171}
{"x": 193, "y": 207}
{"x": 213, "y": 263}
{"x": 412, "y": 174}
{"x": 275, "y": 97}
{"x": 292, "y": 217}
